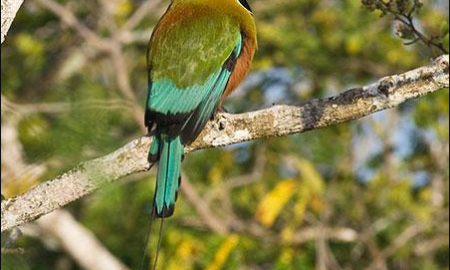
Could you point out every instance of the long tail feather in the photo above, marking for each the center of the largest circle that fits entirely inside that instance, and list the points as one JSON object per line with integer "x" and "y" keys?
{"x": 169, "y": 152}
{"x": 168, "y": 178}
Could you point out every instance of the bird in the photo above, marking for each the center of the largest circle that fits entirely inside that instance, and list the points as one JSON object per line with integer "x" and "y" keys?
{"x": 198, "y": 53}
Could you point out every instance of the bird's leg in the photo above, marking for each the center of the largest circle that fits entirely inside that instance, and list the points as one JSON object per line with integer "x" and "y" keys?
{"x": 220, "y": 109}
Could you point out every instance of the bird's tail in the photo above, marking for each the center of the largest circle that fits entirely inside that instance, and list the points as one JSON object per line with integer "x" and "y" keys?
{"x": 169, "y": 151}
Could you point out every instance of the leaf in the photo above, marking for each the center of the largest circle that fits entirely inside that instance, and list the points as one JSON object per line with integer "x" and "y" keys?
{"x": 311, "y": 177}
{"x": 184, "y": 254}
{"x": 273, "y": 203}
{"x": 444, "y": 28}
{"x": 123, "y": 9}
{"x": 354, "y": 44}
{"x": 404, "y": 32}
{"x": 445, "y": 42}
{"x": 310, "y": 191}
{"x": 223, "y": 252}
{"x": 29, "y": 45}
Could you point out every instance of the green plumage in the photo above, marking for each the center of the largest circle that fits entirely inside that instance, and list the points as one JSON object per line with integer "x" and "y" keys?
{"x": 188, "y": 72}
{"x": 189, "y": 52}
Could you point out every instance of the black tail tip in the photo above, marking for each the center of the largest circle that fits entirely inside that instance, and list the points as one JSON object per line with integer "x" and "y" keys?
{"x": 152, "y": 158}
{"x": 165, "y": 212}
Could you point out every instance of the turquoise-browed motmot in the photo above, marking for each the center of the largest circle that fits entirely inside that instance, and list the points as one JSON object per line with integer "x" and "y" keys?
{"x": 198, "y": 54}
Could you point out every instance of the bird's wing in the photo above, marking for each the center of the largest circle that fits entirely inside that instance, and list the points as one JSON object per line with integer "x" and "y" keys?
{"x": 190, "y": 59}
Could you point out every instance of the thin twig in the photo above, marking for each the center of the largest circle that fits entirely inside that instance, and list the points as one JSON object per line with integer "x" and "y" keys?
{"x": 19, "y": 251}
{"x": 69, "y": 18}
{"x": 408, "y": 21}
{"x": 202, "y": 207}
{"x": 140, "y": 14}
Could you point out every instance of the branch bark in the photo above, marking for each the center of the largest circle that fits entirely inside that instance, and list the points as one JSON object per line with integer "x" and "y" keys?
{"x": 227, "y": 129}
{"x": 79, "y": 242}
{"x": 9, "y": 10}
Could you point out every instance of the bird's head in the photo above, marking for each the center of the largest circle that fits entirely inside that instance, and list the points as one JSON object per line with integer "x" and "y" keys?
{"x": 242, "y": 3}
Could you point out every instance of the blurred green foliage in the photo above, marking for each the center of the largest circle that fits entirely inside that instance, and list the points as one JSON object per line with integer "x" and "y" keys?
{"x": 377, "y": 177}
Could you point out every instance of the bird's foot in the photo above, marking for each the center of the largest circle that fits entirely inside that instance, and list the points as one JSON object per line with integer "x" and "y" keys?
{"x": 219, "y": 109}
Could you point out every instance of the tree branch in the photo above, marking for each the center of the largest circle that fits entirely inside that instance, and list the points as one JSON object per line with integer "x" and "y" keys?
{"x": 228, "y": 129}
{"x": 79, "y": 242}
{"x": 9, "y": 10}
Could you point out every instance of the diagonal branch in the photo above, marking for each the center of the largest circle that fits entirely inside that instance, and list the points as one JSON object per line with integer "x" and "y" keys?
{"x": 228, "y": 129}
{"x": 9, "y": 10}
{"x": 79, "y": 242}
